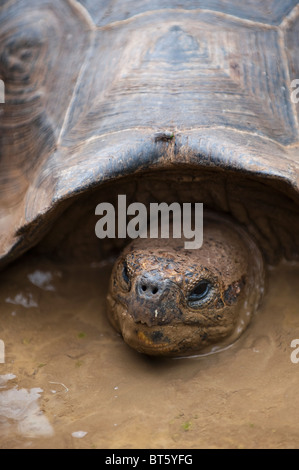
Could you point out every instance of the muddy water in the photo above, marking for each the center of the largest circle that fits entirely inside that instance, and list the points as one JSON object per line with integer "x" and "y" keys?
{"x": 69, "y": 381}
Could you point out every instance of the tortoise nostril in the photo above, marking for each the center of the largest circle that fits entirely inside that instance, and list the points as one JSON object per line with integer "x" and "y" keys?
{"x": 148, "y": 287}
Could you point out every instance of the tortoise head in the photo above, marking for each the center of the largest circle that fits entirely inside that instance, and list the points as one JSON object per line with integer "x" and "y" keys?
{"x": 167, "y": 300}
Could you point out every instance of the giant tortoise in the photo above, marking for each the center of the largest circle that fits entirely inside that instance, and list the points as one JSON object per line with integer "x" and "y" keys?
{"x": 161, "y": 102}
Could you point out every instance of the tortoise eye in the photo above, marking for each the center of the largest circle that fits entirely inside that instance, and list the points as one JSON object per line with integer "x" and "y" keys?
{"x": 125, "y": 273}
{"x": 123, "y": 276}
{"x": 199, "y": 293}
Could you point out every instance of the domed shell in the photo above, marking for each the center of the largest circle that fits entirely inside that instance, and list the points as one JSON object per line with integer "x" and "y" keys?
{"x": 95, "y": 92}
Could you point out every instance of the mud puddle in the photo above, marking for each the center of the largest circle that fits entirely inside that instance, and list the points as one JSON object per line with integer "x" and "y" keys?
{"x": 69, "y": 381}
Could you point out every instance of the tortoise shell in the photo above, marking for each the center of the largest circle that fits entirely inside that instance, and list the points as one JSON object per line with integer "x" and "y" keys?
{"x": 191, "y": 101}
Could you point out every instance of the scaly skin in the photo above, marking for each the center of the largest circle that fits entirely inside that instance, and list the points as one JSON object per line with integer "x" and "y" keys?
{"x": 169, "y": 301}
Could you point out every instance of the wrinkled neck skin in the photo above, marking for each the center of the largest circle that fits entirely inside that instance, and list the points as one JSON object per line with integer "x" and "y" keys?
{"x": 170, "y": 301}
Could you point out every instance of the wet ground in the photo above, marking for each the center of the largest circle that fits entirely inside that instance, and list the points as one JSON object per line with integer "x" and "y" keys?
{"x": 69, "y": 381}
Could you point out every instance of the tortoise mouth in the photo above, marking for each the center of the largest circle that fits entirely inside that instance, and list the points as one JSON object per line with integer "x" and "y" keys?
{"x": 165, "y": 340}
{"x": 145, "y": 339}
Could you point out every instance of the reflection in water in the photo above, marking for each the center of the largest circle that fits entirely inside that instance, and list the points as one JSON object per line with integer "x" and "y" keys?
{"x": 79, "y": 434}
{"x": 69, "y": 380}
{"x": 26, "y": 300}
{"x": 20, "y": 411}
{"x": 41, "y": 279}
